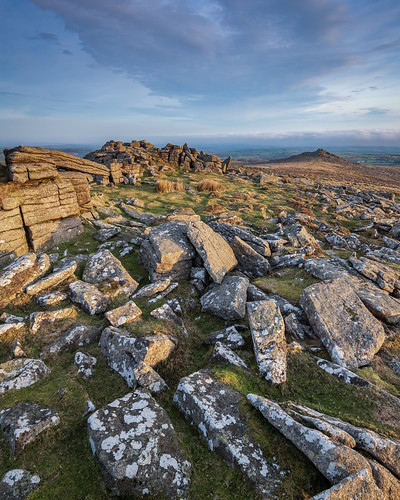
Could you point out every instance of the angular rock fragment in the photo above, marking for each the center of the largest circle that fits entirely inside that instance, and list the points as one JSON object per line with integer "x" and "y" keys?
{"x": 52, "y": 279}
{"x": 165, "y": 312}
{"x": 349, "y": 332}
{"x": 19, "y": 373}
{"x": 250, "y": 262}
{"x": 149, "y": 379}
{"x": 85, "y": 363}
{"x": 380, "y": 304}
{"x": 23, "y": 423}
{"x": 152, "y": 289}
{"x": 227, "y": 300}
{"x": 217, "y": 255}
{"x": 11, "y": 328}
{"x": 17, "y": 484}
{"x": 163, "y": 294}
{"x": 229, "y": 232}
{"x": 105, "y": 234}
{"x": 74, "y": 337}
{"x": 89, "y": 297}
{"x": 342, "y": 373}
{"x": 137, "y": 448}
{"x": 268, "y": 333}
{"x": 298, "y": 236}
{"x": 102, "y": 268}
{"x": 229, "y": 337}
{"x": 51, "y": 298}
{"x": 213, "y": 408}
{"x": 46, "y": 319}
{"x": 127, "y": 313}
{"x": 223, "y": 354}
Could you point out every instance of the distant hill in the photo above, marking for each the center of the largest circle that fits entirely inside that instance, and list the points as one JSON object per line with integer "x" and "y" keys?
{"x": 318, "y": 155}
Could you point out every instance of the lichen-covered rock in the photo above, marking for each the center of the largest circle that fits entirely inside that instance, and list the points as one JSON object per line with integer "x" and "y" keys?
{"x": 21, "y": 273}
{"x": 19, "y": 373}
{"x": 213, "y": 408}
{"x": 229, "y": 232}
{"x": 127, "y": 313}
{"x": 137, "y": 448}
{"x": 298, "y": 236}
{"x": 124, "y": 353}
{"x": 89, "y": 297}
{"x": 268, "y": 333}
{"x": 44, "y": 320}
{"x": 51, "y": 298}
{"x": 23, "y": 423}
{"x": 349, "y": 332}
{"x": 335, "y": 461}
{"x": 17, "y": 484}
{"x": 217, "y": 255}
{"x": 223, "y": 354}
{"x": 229, "y": 337}
{"x": 250, "y": 262}
{"x": 74, "y": 337}
{"x": 379, "y": 303}
{"x": 106, "y": 233}
{"x": 149, "y": 379}
{"x": 102, "y": 268}
{"x": 227, "y": 300}
{"x": 52, "y": 279}
{"x": 85, "y": 363}
{"x": 152, "y": 289}
{"x": 342, "y": 373}
{"x": 13, "y": 328}
{"x": 165, "y": 312}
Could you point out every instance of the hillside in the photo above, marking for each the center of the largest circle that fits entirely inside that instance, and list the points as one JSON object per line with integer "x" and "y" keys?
{"x": 203, "y": 330}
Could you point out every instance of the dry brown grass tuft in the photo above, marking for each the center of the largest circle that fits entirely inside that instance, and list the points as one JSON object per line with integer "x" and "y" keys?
{"x": 164, "y": 186}
{"x": 209, "y": 185}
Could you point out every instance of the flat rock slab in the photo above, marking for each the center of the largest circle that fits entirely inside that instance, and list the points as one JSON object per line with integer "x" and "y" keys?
{"x": 227, "y": 300}
{"x": 349, "y": 332}
{"x": 52, "y": 279}
{"x": 127, "y": 313}
{"x": 42, "y": 321}
{"x": 137, "y": 448}
{"x": 17, "y": 484}
{"x": 268, "y": 333}
{"x": 124, "y": 353}
{"x": 229, "y": 232}
{"x": 213, "y": 408}
{"x": 89, "y": 297}
{"x": 74, "y": 337}
{"x": 23, "y": 423}
{"x": 51, "y": 298}
{"x": 229, "y": 337}
{"x": 217, "y": 255}
{"x": 12, "y": 328}
{"x": 106, "y": 233}
{"x": 250, "y": 262}
{"x": 224, "y": 355}
{"x": 19, "y": 373}
{"x": 102, "y": 268}
{"x": 21, "y": 273}
{"x": 152, "y": 289}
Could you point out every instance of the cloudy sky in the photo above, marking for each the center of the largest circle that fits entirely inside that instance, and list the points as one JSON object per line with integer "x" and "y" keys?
{"x": 85, "y": 71}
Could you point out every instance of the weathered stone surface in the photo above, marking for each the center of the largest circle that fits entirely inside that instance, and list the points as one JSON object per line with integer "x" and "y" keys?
{"x": 386, "y": 482}
{"x": 102, "y": 268}
{"x": 137, "y": 449}
{"x": 325, "y": 269}
{"x": 149, "y": 379}
{"x": 23, "y": 423}
{"x": 215, "y": 252}
{"x": 165, "y": 312}
{"x": 152, "y": 289}
{"x": 294, "y": 327}
{"x": 127, "y": 313}
{"x": 342, "y": 373}
{"x": 52, "y": 279}
{"x": 298, "y": 236}
{"x": 268, "y": 333}
{"x": 385, "y": 277}
{"x": 105, "y": 234}
{"x": 345, "y": 326}
{"x": 250, "y": 262}
{"x": 213, "y": 408}
{"x": 51, "y": 298}
{"x": 17, "y": 484}
{"x": 43, "y": 320}
{"x": 123, "y": 353}
{"x": 227, "y": 300}
{"x": 167, "y": 253}
{"x": 21, "y": 273}
{"x": 89, "y": 297}
{"x": 335, "y": 461}
{"x": 229, "y": 337}
{"x": 85, "y": 363}
{"x": 19, "y": 373}
{"x": 223, "y": 354}
{"x": 13, "y": 241}
{"x": 379, "y": 303}
{"x": 11, "y": 328}
{"x": 229, "y": 232}
{"x": 74, "y": 337}
{"x": 163, "y": 294}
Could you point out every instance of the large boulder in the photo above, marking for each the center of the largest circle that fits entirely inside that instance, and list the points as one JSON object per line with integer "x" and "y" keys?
{"x": 217, "y": 255}
{"x": 229, "y": 232}
{"x": 103, "y": 269}
{"x": 53, "y": 279}
{"x": 214, "y": 408}
{"x": 227, "y": 300}
{"x": 268, "y": 332}
{"x": 137, "y": 448}
{"x": 19, "y": 373}
{"x": 250, "y": 262}
{"x": 349, "y": 332}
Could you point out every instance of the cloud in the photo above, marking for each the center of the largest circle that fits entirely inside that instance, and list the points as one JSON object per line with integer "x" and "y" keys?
{"x": 46, "y": 37}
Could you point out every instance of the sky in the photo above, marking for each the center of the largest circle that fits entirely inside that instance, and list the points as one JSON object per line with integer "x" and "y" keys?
{"x": 250, "y": 71}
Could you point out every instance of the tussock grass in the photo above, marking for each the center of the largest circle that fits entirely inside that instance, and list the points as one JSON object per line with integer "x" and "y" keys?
{"x": 209, "y": 185}
{"x": 165, "y": 186}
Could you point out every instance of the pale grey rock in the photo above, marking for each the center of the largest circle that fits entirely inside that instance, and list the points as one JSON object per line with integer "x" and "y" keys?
{"x": 229, "y": 232}
{"x": 298, "y": 236}
{"x": 223, "y": 354}
{"x": 127, "y": 313}
{"x": 229, "y": 336}
{"x": 89, "y": 297}
{"x": 325, "y": 269}
{"x": 227, "y": 300}
{"x": 19, "y": 373}
{"x": 268, "y": 333}
{"x": 152, "y": 289}
{"x": 85, "y": 363}
{"x": 250, "y": 262}
{"x": 74, "y": 337}
{"x": 294, "y": 327}
{"x": 51, "y": 298}
{"x": 17, "y": 484}
{"x": 213, "y": 408}
{"x": 23, "y": 423}
{"x": 106, "y": 234}
{"x": 255, "y": 294}
{"x": 13, "y": 328}
{"x": 149, "y": 379}
{"x": 137, "y": 448}
{"x": 336, "y": 240}
{"x": 163, "y": 294}
{"x": 10, "y": 318}
{"x": 52, "y": 279}
{"x": 165, "y": 312}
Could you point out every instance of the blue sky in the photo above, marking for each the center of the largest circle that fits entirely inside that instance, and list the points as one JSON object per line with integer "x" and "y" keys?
{"x": 262, "y": 71}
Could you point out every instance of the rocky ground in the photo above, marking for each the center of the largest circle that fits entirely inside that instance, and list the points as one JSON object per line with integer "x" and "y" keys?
{"x": 236, "y": 343}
